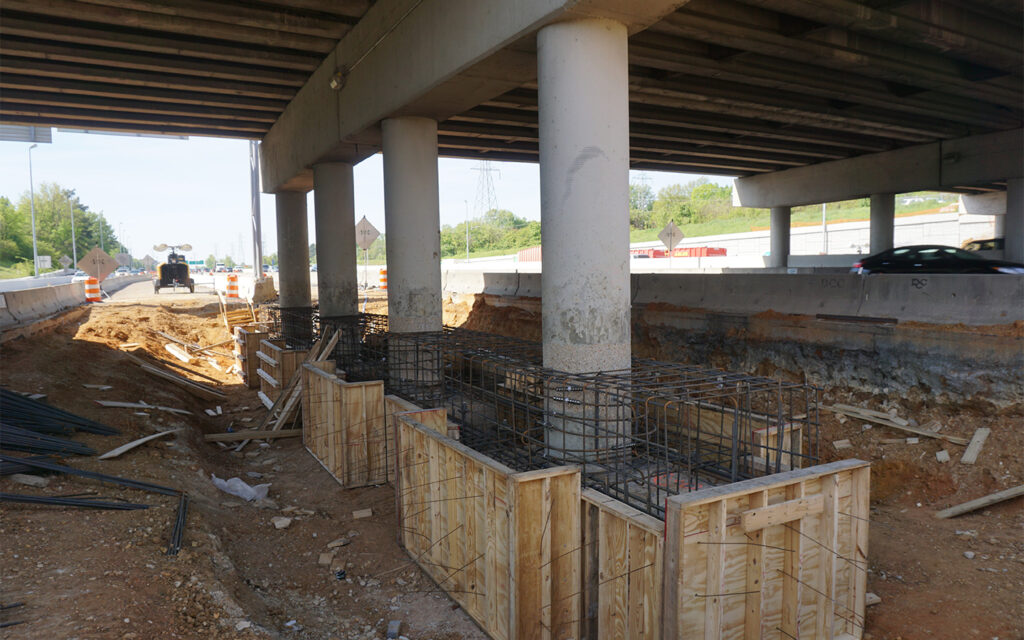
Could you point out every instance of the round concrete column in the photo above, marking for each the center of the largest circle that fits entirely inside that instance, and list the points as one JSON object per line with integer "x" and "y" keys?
{"x": 412, "y": 224}
{"x": 779, "y": 256}
{"x": 293, "y": 264}
{"x": 584, "y": 191}
{"x": 883, "y": 221}
{"x": 334, "y": 209}
{"x": 1013, "y": 222}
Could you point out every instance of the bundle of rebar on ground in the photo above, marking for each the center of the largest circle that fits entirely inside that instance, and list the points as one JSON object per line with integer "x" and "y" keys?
{"x": 33, "y": 427}
{"x": 18, "y": 411}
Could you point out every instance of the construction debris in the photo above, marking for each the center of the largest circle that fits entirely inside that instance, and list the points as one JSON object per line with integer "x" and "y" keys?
{"x": 178, "y": 353}
{"x": 887, "y": 420}
{"x": 98, "y": 387}
{"x": 942, "y": 456}
{"x": 984, "y": 501}
{"x": 113, "y": 453}
{"x": 194, "y": 388}
{"x": 19, "y": 411}
{"x": 141, "y": 405}
{"x": 362, "y": 513}
{"x": 242, "y": 489}
{"x": 28, "y": 480}
{"x": 842, "y": 444}
{"x": 235, "y": 436}
{"x": 71, "y": 502}
{"x": 974, "y": 448}
{"x": 281, "y": 522}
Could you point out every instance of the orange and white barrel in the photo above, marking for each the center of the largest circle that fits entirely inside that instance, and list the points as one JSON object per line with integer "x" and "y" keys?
{"x": 232, "y": 286}
{"x": 383, "y": 278}
{"x": 92, "y": 290}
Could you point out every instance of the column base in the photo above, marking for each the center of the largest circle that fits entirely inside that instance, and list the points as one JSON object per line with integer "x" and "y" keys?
{"x": 297, "y": 326}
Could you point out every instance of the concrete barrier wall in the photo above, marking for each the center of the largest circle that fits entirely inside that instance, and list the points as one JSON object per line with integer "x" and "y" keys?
{"x": 932, "y": 298}
{"x": 113, "y": 285}
{"x": 29, "y": 305}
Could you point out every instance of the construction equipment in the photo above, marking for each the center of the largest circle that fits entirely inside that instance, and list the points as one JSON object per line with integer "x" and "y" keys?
{"x": 175, "y": 272}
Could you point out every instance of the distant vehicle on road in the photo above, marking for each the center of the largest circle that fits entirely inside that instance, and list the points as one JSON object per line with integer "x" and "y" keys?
{"x": 313, "y": 268}
{"x": 992, "y": 244}
{"x": 238, "y": 269}
{"x": 121, "y": 272}
{"x": 80, "y": 276}
{"x": 933, "y": 258}
{"x": 221, "y": 267}
{"x": 175, "y": 272}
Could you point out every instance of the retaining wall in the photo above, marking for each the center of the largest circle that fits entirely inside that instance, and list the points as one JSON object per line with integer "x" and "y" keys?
{"x": 957, "y": 336}
{"x": 26, "y": 306}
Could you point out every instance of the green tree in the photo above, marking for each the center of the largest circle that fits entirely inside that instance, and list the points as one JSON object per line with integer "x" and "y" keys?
{"x": 211, "y": 261}
{"x": 641, "y": 202}
{"x": 312, "y": 253}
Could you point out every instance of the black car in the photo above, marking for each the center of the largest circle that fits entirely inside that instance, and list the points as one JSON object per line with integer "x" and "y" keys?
{"x": 933, "y": 258}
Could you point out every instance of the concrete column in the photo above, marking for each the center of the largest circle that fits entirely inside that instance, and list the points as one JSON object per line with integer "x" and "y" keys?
{"x": 293, "y": 265}
{"x": 584, "y": 188}
{"x": 1013, "y": 222}
{"x": 334, "y": 209}
{"x": 883, "y": 221}
{"x": 779, "y": 256}
{"x": 412, "y": 224}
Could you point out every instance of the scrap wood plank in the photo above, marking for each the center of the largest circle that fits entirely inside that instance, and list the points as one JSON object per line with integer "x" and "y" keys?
{"x": 872, "y": 412}
{"x": 974, "y": 448}
{"x": 234, "y": 436}
{"x": 291, "y": 396}
{"x": 985, "y": 501}
{"x": 178, "y": 352}
{"x": 193, "y": 387}
{"x": 214, "y": 346}
{"x": 141, "y": 405}
{"x": 113, "y": 453}
{"x": 888, "y": 422}
{"x": 173, "y": 339}
{"x": 179, "y": 367}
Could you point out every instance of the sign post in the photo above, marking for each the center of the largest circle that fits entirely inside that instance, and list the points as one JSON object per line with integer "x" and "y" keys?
{"x": 671, "y": 236}
{"x": 366, "y": 234}
{"x": 65, "y": 261}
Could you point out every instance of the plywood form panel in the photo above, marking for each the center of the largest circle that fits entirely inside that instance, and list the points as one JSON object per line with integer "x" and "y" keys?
{"x": 801, "y": 573}
{"x": 503, "y": 544}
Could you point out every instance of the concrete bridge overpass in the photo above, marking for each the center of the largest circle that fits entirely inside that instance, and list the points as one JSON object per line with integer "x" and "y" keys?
{"x": 802, "y": 101}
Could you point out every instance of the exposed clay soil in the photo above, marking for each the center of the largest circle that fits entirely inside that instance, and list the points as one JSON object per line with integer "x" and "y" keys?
{"x": 104, "y": 574}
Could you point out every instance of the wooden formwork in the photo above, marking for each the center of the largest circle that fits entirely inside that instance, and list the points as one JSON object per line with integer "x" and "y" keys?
{"x": 622, "y": 571}
{"x": 277, "y": 364}
{"x": 343, "y": 426}
{"x": 774, "y": 557}
{"x": 247, "y": 344}
{"x": 504, "y": 545}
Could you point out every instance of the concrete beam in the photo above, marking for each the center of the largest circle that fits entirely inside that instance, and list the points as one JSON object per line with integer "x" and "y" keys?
{"x": 980, "y": 159}
{"x": 441, "y": 49}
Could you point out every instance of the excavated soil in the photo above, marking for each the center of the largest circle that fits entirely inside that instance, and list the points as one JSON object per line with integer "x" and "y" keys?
{"x": 104, "y": 574}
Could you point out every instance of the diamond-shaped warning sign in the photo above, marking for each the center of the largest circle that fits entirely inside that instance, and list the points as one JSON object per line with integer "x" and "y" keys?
{"x": 671, "y": 235}
{"x": 65, "y": 261}
{"x": 366, "y": 233}
{"x": 98, "y": 264}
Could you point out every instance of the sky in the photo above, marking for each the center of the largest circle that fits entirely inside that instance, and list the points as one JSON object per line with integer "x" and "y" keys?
{"x": 196, "y": 190}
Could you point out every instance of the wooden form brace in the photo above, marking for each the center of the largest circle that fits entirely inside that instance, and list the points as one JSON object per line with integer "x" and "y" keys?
{"x": 774, "y": 557}
{"x": 247, "y": 344}
{"x": 623, "y": 569}
{"x": 343, "y": 426}
{"x": 504, "y": 545}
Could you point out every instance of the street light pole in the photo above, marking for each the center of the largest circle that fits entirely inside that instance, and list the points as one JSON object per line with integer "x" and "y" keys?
{"x": 467, "y": 229}
{"x": 32, "y": 205}
{"x": 74, "y": 242}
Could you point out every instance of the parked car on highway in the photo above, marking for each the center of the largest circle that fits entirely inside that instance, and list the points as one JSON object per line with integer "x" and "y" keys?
{"x": 933, "y": 258}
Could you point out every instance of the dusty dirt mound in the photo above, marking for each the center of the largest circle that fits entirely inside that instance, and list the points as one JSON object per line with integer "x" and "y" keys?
{"x": 104, "y": 574}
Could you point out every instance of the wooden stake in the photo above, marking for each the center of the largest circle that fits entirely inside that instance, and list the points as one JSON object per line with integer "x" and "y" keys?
{"x": 974, "y": 505}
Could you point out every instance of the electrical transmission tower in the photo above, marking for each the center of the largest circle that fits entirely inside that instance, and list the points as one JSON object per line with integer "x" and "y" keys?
{"x": 486, "y": 198}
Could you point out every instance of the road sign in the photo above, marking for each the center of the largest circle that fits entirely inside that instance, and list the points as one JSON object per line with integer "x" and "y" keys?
{"x": 44, "y": 262}
{"x": 148, "y": 262}
{"x": 124, "y": 259}
{"x": 366, "y": 233}
{"x": 98, "y": 264}
{"x": 671, "y": 235}
{"x": 65, "y": 261}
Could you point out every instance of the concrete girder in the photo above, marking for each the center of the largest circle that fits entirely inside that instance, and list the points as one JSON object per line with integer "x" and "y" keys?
{"x": 938, "y": 25}
{"x": 440, "y": 50}
{"x": 949, "y": 164}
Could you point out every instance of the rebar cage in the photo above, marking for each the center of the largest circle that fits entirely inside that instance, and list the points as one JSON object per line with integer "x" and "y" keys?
{"x": 641, "y": 435}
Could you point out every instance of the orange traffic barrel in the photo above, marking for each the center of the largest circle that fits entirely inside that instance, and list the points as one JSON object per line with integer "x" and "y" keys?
{"x": 232, "y": 286}
{"x": 92, "y": 290}
{"x": 383, "y": 278}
